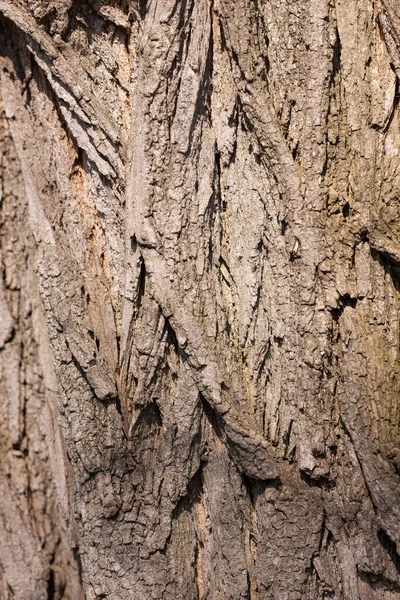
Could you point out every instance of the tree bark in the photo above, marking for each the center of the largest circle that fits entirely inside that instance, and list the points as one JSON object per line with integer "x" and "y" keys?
{"x": 199, "y": 302}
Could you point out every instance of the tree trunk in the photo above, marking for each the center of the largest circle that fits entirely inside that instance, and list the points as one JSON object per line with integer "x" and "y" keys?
{"x": 200, "y": 300}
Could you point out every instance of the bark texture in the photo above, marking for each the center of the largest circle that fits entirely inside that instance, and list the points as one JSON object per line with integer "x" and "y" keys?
{"x": 200, "y": 299}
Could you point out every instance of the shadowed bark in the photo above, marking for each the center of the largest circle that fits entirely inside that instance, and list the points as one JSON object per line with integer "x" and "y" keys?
{"x": 199, "y": 301}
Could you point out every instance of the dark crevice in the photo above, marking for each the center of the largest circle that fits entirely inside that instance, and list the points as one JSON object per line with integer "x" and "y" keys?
{"x": 51, "y": 588}
{"x": 118, "y": 340}
{"x": 286, "y": 441}
{"x": 217, "y": 177}
{"x": 194, "y": 488}
{"x": 172, "y": 339}
{"x": 390, "y": 547}
{"x": 246, "y": 123}
{"x": 248, "y": 596}
{"x": 336, "y": 56}
{"x": 249, "y": 485}
{"x": 79, "y": 159}
{"x": 328, "y": 537}
{"x": 343, "y": 302}
{"x": 390, "y": 264}
{"x": 213, "y": 418}
{"x": 47, "y": 20}
{"x": 12, "y": 41}
{"x": 142, "y": 8}
{"x": 379, "y": 583}
{"x": 292, "y": 104}
{"x": 233, "y": 122}
{"x": 266, "y": 351}
{"x": 295, "y": 151}
{"x": 141, "y": 284}
{"x": 346, "y": 210}
{"x": 150, "y": 416}
{"x": 81, "y": 370}
{"x": 321, "y": 481}
{"x": 24, "y": 400}
{"x": 214, "y": 203}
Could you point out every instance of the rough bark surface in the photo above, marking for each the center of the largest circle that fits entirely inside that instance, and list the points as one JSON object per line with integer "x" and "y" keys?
{"x": 200, "y": 299}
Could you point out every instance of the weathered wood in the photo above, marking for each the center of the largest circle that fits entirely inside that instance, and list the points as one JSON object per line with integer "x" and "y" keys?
{"x": 199, "y": 302}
